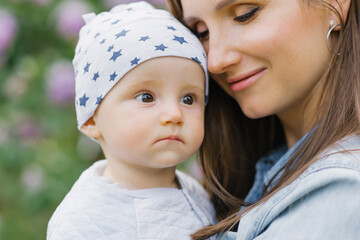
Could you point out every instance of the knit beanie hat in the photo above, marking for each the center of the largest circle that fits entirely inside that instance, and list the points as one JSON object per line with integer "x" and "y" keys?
{"x": 112, "y": 43}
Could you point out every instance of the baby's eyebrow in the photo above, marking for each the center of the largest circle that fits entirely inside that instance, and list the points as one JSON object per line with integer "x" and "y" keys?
{"x": 147, "y": 82}
{"x": 191, "y": 87}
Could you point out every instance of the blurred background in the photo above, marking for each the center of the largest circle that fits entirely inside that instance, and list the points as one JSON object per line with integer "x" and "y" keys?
{"x": 41, "y": 151}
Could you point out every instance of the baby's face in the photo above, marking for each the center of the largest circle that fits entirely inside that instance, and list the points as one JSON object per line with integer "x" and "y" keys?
{"x": 154, "y": 116}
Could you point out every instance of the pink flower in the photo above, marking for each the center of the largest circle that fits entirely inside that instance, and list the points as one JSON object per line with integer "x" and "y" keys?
{"x": 8, "y": 28}
{"x": 28, "y": 130}
{"x": 69, "y": 18}
{"x": 61, "y": 82}
{"x": 32, "y": 178}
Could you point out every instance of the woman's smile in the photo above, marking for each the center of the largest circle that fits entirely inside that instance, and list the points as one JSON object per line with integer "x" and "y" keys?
{"x": 244, "y": 81}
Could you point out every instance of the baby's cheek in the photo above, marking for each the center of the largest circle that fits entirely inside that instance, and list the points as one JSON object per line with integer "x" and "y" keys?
{"x": 134, "y": 136}
{"x": 196, "y": 132}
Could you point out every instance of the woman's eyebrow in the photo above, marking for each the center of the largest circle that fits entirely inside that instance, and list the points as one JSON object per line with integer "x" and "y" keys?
{"x": 189, "y": 20}
{"x": 223, "y": 3}
{"x": 220, "y": 5}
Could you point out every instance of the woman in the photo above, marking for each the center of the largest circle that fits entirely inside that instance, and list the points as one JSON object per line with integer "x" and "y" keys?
{"x": 293, "y": 68}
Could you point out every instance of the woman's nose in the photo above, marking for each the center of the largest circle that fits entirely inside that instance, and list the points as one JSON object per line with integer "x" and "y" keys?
{"x": 171, "y": 114}
{"x": 222, "y": 52}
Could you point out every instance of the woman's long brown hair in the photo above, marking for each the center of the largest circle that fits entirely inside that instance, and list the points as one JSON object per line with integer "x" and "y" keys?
{"x": 233, "y": 143}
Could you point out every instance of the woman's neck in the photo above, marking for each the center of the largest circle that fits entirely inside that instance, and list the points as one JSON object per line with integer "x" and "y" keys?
{"x": 294, "y": 129}
{"x": 300, "y": 119}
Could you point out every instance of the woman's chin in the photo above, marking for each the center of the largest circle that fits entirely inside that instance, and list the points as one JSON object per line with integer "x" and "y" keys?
{"x": 255, "y": 113}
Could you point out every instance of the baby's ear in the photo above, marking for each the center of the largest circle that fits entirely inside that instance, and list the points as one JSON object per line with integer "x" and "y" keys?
{"x": 90, "y": 129}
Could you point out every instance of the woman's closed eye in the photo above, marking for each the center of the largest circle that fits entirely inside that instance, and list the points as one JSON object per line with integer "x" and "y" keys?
{"x": 145, "y": 98}
{"x": 202, "y": 35}
{"x": 201, "y": 31}
{"x": 246, "y": 16}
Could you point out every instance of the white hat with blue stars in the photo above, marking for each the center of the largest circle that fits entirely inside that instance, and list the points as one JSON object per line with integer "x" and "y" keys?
{"x": 112, "y": 43}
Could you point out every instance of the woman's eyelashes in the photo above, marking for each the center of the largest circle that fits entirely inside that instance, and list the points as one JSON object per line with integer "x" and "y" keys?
{"x": 202, "y": 35}
{"x": 200, "y": 30}
{"x": 246, "y": 16}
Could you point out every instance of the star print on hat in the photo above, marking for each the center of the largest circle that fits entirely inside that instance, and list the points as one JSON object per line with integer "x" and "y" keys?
{"x": 112, "y": 43}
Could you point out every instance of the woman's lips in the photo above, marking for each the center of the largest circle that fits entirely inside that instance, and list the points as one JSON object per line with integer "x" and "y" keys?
{"x": 243, "y": 81}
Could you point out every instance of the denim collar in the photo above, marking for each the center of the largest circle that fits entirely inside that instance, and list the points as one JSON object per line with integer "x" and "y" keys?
{"x": 281, "y": 160}
{"x": 267, "y": 167}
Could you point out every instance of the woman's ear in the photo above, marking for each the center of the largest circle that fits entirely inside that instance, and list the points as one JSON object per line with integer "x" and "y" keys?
{"x": 90, "y": 129}
{"x": 342, "y": 6}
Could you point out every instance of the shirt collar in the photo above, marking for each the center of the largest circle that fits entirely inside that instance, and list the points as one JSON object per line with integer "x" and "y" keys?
{"x": 281, "y": 161}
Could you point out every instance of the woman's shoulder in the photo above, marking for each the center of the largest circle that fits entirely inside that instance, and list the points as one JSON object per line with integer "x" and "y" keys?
{"x": 344, "y": 154}
{"x": 337, "y": 167}
{"x": 322, "y": 203}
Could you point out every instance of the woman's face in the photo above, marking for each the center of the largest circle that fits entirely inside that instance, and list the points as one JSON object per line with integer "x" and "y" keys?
{"x": 267, "y": 54}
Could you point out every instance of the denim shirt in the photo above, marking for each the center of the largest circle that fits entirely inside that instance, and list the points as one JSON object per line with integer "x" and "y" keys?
{"x": 322, "y": 203}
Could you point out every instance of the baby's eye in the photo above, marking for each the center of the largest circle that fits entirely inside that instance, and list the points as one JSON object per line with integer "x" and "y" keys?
{"x": 188, "y": 99}
{"x": 145, "y": 97}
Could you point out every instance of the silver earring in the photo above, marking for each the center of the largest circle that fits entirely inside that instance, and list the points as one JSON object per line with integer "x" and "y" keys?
{"x": 332, "y": 26}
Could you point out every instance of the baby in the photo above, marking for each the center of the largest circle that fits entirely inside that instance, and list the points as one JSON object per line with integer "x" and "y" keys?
{"x": 141, "y": 88}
